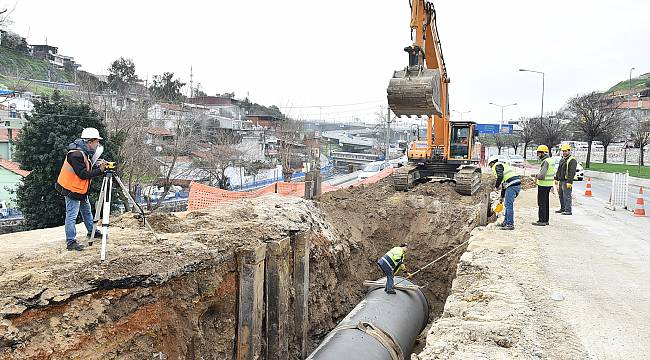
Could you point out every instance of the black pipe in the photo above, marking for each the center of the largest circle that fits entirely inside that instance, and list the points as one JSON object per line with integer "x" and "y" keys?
{"x": 403, "y": 315}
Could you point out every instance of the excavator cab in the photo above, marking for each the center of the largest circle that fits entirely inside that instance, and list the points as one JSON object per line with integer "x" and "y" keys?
{"x": 461, "y": 140}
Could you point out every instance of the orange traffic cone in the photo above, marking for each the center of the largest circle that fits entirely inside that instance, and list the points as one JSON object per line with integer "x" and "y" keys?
{"x": 640, "y": 205}
{"x": 588, "y": 190}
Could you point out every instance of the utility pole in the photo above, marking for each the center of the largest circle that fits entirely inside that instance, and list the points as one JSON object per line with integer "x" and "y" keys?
{"x": 387, "y": 133}
{"x": 629, "y": 114}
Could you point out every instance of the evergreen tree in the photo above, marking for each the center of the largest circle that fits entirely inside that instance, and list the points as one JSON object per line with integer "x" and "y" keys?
{"x": 41, "y": 149}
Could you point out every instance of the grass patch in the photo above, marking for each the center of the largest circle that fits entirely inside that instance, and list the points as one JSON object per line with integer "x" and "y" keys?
{"x": 633, "y": 170}
{"x": 637, "y": 83}
{"x": 13, "y": 63}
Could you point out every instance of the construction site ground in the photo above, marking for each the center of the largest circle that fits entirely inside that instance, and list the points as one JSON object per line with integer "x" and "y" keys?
{"x": 176, "y": 297}
{"x": 576, "y": 289}
{"x": 573, "y": 290}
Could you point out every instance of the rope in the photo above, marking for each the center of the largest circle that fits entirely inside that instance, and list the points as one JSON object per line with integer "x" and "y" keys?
{"x": 386, "y": 339}
{"x": 433, "y": 262}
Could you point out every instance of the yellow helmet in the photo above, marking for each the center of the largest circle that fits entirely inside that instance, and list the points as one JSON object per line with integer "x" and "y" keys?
{"x": 542, "y": 148}
{"x": 565, "y": 147}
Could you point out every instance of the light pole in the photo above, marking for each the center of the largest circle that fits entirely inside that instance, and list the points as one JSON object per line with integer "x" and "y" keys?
{"x": 538, "y": 72}
{"x": 502, "y": 107}
{"x": 629, "y": 114}
{"x": 462, "y": 112}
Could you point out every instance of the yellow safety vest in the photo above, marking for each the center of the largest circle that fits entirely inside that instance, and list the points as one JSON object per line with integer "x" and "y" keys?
{"x": 550, "y": 174}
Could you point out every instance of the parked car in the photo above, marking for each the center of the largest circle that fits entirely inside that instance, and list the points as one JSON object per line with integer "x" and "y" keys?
{"x": 503, "y": 159}
{"x": 580, "y": 170}
{"x": 400, "y": 161}
{"x": 373, "y": 168}
{"x": 517, "y": 160}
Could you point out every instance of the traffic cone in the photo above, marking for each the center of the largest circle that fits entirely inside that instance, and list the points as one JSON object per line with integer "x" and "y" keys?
{"x": 588, "y": 190}
{"x": 640, "y": 205}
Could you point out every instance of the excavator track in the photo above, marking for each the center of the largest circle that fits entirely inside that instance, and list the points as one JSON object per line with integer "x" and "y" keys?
{"x": 468, "y": 180}
{"x": 404, "y": 177}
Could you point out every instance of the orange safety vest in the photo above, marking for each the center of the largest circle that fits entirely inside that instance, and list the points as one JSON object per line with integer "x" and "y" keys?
{"x": 69, "y": 180}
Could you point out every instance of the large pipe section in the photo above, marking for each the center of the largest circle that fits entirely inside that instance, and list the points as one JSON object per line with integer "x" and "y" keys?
{"x": 403, "y": 315}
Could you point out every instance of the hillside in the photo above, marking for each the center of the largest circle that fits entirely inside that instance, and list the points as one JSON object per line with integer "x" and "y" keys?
{"x": 638, "y": 83}
{"x": 16, "y": 64}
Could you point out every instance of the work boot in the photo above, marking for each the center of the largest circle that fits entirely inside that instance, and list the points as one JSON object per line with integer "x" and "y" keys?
{"x": 391, "y": 292}
{"x": 559, "y": 211}
{"x": 98, "y": 235}
{"x": 567, "y": 213}
{"x": 74, "y": 246}
{"x": 502, "y": 224}
{"x": 540, "y": 223}
{"x": 508, "y": 227}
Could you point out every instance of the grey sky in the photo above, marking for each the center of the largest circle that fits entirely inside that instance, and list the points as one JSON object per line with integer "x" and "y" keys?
{"x": 298, "y": 53}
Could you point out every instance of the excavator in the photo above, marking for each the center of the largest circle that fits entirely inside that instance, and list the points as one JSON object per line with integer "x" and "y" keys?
{"x": 421, "y": 89}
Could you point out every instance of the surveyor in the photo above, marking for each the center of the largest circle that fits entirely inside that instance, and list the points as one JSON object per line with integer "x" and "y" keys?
{"x": 566, "y": 172}
{"x": 391, "y": 263}
{"x": 544, "y": 180}
{"x": 74, "y": 182}
{"x": 509, "y": 183}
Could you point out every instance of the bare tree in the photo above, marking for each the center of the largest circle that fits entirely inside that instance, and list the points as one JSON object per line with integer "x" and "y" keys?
{"x": 591, "y": 116}
{"x": 214, "y": 161}
{"x": 614, "y": 132}
{"x": 550, "y": 130}
{"x": 641, "y": 136}
{"x": 513, "y": 140}
{"x": 289, "y": 135}
{"x": 527, "y": 134}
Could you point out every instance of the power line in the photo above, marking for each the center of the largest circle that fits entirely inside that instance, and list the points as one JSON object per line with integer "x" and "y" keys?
{"x": 327, "y": 106}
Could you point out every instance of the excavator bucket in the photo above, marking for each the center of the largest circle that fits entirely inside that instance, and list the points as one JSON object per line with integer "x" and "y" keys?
{"x": 415, "y": 91}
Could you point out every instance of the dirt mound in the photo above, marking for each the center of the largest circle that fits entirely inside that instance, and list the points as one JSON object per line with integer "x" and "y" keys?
{"x": 528, "y": 182}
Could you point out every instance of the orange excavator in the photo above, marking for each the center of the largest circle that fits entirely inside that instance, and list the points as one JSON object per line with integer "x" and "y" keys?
{"x": 420, "y": 89}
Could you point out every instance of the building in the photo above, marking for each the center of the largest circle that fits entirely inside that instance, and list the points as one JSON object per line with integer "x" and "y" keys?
{"x": 223, "y": 108}
{"x": 158, "y": 136}
{"x": 167, "y": 116}
{"x": 44, "y": 52}
{"x": 10, "y": 177}
{"x": 264, "y": 121}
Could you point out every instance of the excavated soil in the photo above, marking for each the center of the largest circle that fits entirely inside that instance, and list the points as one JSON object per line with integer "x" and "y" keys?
{"x": 175, "y": 297}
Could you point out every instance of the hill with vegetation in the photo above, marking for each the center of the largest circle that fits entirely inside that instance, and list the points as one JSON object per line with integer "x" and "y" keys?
{"x": 638, "y": 83}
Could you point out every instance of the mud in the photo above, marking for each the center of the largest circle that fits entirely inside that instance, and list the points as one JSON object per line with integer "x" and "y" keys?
{"x": 175, "y": 297}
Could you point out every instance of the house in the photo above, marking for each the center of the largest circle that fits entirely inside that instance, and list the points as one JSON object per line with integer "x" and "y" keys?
{"x": 44, "y": 52}
{"x": 167, "y": 116}
{"x": 158, "y": 136}
{"x": 10, "y": 176}
{"x": 221, "y": 106}
{"x": 264, "y": 121}
{"x": 66, "y": 62}
{"x": 7, "y": 136}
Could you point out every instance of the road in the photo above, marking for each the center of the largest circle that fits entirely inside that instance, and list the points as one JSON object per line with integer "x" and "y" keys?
{"x": 598, "y": 259}
{"x": 601, "y": 190}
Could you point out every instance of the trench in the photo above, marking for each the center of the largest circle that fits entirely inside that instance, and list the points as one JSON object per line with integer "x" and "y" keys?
{"x": 229, "y": 310}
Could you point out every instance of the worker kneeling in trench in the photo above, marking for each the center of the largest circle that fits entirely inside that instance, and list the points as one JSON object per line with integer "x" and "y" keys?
{"x": 391, "y": 264}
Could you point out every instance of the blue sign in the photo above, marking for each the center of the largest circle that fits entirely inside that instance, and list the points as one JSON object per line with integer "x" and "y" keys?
{"x": 485, "y": 129}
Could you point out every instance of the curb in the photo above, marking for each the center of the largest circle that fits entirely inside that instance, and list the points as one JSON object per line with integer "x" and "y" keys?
{"x": 634, "y": 181}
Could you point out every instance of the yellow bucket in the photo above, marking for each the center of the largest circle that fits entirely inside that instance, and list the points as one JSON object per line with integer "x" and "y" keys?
{"x": 499, "y": 207}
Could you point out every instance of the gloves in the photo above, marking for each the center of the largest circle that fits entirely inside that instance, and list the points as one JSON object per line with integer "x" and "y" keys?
{"x": 569, "y": 185}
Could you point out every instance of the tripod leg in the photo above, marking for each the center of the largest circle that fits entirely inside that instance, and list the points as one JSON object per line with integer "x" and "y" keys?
{"x": 98, "y": 210}
{"x": 130, "y": 198}
{"x": 106, "y": 211}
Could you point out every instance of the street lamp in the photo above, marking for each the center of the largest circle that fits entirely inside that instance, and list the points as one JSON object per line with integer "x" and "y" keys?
{"x": 629, "y": 114}
{"x": 538, "y": 72}
{"x": 502, "y": 107}
{"x": 462, "y": 112}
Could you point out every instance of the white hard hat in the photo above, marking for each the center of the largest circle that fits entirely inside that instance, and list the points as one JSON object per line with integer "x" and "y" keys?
{"x": 493, "y": 158}
{"x": 90, "y": 133}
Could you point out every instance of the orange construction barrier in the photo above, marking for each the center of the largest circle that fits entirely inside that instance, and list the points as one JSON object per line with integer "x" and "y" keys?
{"x": 640, "y": 205}
{"x": 588, "y": 190}
{"x": 203, "y": 196}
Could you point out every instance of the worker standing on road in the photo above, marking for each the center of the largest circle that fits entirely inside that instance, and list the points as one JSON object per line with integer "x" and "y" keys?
{"x": 566, "y": 172}
{"x": 391, "y": 263}
{"x": 544, "y": 181}
{"x": 74, "y": 182}
{"x": 510, "y": 185}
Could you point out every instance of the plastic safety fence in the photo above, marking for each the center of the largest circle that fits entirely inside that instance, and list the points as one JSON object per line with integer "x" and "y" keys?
{"x": 204, "y": 196}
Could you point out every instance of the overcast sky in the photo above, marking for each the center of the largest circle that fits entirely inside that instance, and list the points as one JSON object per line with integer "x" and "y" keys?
{"x": 297, "y": 53}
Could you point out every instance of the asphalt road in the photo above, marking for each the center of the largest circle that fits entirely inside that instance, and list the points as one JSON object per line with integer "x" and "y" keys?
{"x": 601, "y": 190}
{"x": 598, "y": 259}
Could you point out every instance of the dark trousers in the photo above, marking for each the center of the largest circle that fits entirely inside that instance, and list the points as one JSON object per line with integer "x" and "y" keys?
{"x": 389, "y": 275}
{"x": 543, "y": 203}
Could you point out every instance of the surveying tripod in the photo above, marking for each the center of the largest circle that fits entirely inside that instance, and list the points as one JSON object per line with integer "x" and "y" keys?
{"x": 103, "y": 208}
